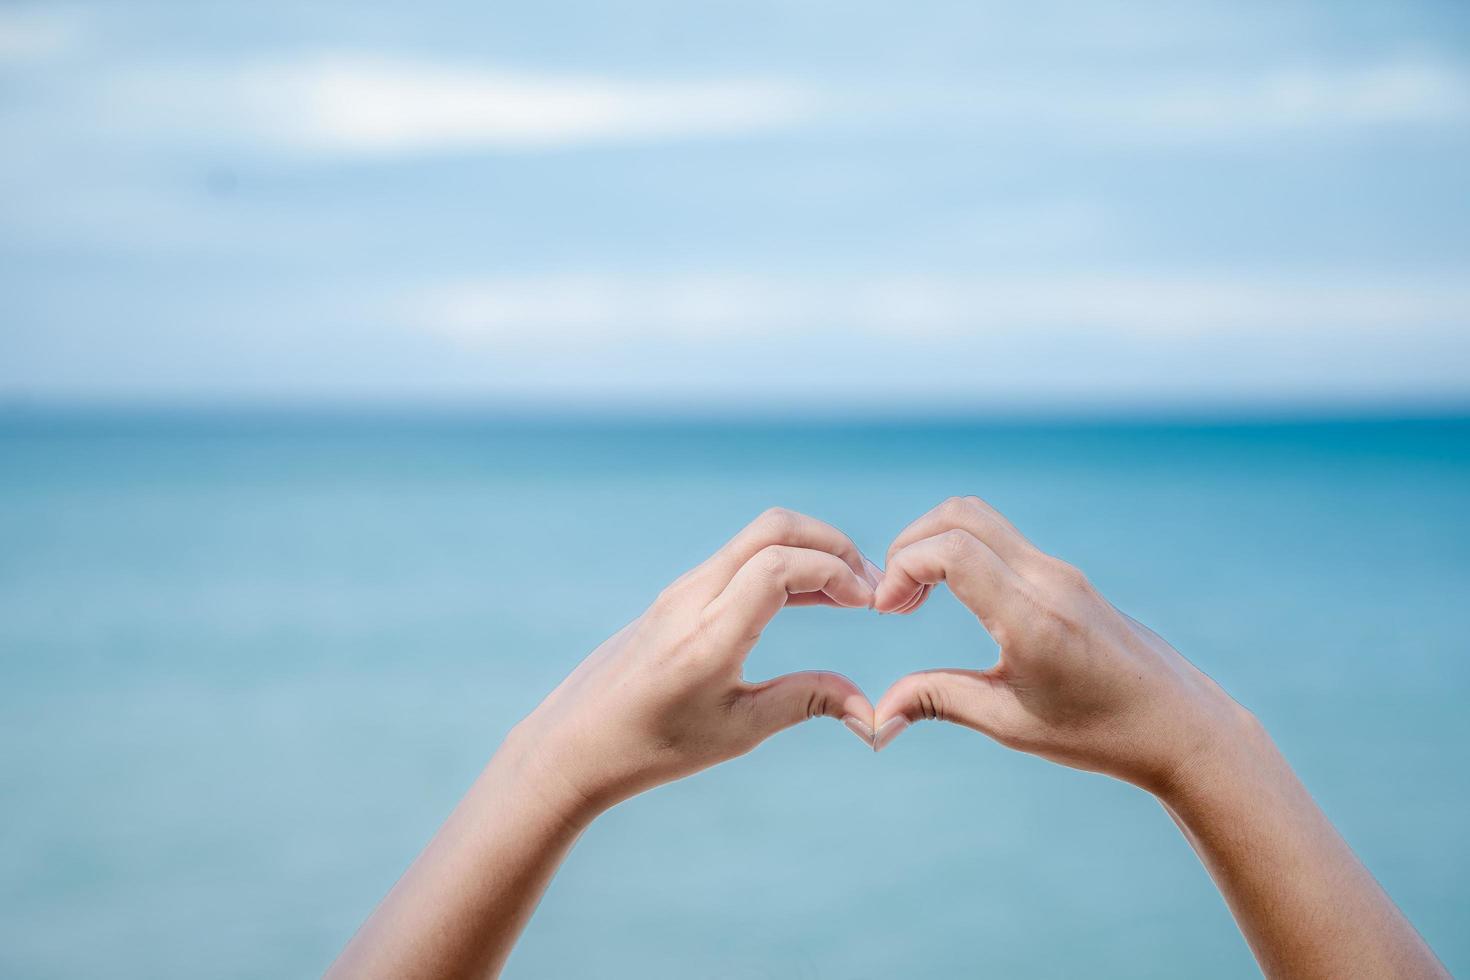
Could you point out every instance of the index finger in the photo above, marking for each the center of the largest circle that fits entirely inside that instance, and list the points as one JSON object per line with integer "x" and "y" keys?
{"x": 978, "y": 518}
{"x": 765, "y": 584}
{"x": 975, "y": 573}
{"x": 778, "y": 526}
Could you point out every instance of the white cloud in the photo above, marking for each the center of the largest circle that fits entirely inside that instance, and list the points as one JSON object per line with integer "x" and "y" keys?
{"x": 551, "y": 311}
{"x": 356, "y": 104}
{"x": 372, "y": 104}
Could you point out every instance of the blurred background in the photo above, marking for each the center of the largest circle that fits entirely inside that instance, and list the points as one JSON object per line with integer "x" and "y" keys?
{"x": 363, "y": 366}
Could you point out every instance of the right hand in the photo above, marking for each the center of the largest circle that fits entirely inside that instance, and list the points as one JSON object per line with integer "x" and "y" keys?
{"x": 1077, "y": 682}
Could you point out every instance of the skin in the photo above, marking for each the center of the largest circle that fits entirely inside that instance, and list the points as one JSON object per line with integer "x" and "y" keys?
{"x": 1084, "y": 685}
{"x": 661, "y": 699}
{"x": 1077, "y": 682}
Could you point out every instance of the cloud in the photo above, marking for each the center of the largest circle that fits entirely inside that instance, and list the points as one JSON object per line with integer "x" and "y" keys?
{"x": 368, "y": 105}
{"x": 374, "y": 104}
{"x": 552, "y": 311}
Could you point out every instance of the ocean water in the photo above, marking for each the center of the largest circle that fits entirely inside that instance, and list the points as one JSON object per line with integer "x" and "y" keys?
{"x": 249, "y": 662}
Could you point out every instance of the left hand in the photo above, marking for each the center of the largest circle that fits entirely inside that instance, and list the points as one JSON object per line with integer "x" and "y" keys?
{"x": 664, "y": 697}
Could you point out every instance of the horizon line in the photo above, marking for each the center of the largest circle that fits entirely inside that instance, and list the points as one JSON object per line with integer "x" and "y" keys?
{"x": 653, "y": 412}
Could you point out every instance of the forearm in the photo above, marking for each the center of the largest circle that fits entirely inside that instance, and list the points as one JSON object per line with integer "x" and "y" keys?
{"x": 459, "y": 908}
{"x": 1083, "y": 684}
{"x": 1305, "y": 903}
{"x": 660, "y": 699}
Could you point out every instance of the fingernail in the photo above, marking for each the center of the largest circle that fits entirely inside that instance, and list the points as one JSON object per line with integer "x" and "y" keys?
{"x": 859, "y": 728}
{"x": 900, "y": 607}
{"x": 913, "y": 601}
{"x": 889, "y": 731}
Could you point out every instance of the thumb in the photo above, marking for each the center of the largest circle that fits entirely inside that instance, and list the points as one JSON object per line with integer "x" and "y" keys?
{"x": 966, "y": 697}
{"x": 793, "y": 698}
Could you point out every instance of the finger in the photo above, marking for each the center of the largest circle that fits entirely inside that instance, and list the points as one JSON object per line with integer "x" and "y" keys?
{"x": 823, "y": 599}
{"x": 764, "y": 583}
{"x": 971, "y": 698}
{"x": 913, "y": 602}
{"x": 980, "y": 519}
{"x": 811, "y": 599}
{"x": 785, "y": 701}
{"x": 907, "y": 605}
{"x": 778, "y": 526}
{"x": 975, "y": 574}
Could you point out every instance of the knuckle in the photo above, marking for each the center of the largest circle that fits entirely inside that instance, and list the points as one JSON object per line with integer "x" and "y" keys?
{"x": 666, "y": 601}
{"x": 1068, "y": 577}
{"x": 772, "y": 560}
{"x": 956, "y": 544}
{"x": 777, "y": 521}
{"x": 929, "y": 702}
{"x": 819, "y": 700}
{"x": 956, "y": 508}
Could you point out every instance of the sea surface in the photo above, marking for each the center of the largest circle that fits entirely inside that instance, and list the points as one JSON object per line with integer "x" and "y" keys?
{"x": 248, "y": 662}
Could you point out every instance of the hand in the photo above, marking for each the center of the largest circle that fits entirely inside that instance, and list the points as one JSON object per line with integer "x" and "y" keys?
{"x": 664, "y": 697}
{"x": 1077, "y": 682}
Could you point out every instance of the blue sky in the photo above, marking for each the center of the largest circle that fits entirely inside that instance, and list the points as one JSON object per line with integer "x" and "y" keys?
{"x": 759, "y": 205}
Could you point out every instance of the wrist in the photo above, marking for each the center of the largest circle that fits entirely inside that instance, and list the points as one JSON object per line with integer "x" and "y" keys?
{"x": 527, "y": 766}
{"x": 1231, "y": 750}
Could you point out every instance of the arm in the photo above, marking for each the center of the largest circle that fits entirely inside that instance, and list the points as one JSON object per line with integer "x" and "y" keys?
{"x": 1082, "y": 684}
{"x": 661, "y": 699}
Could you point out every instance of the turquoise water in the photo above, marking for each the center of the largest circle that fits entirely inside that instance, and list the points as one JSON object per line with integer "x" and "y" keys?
{"x": 250, "y": 662}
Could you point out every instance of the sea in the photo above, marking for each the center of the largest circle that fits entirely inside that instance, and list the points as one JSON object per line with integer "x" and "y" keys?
{"x": 250, "y": 659}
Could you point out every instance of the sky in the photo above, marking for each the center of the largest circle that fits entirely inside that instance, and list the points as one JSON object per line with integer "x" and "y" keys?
{"x": 849, "y": 207}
